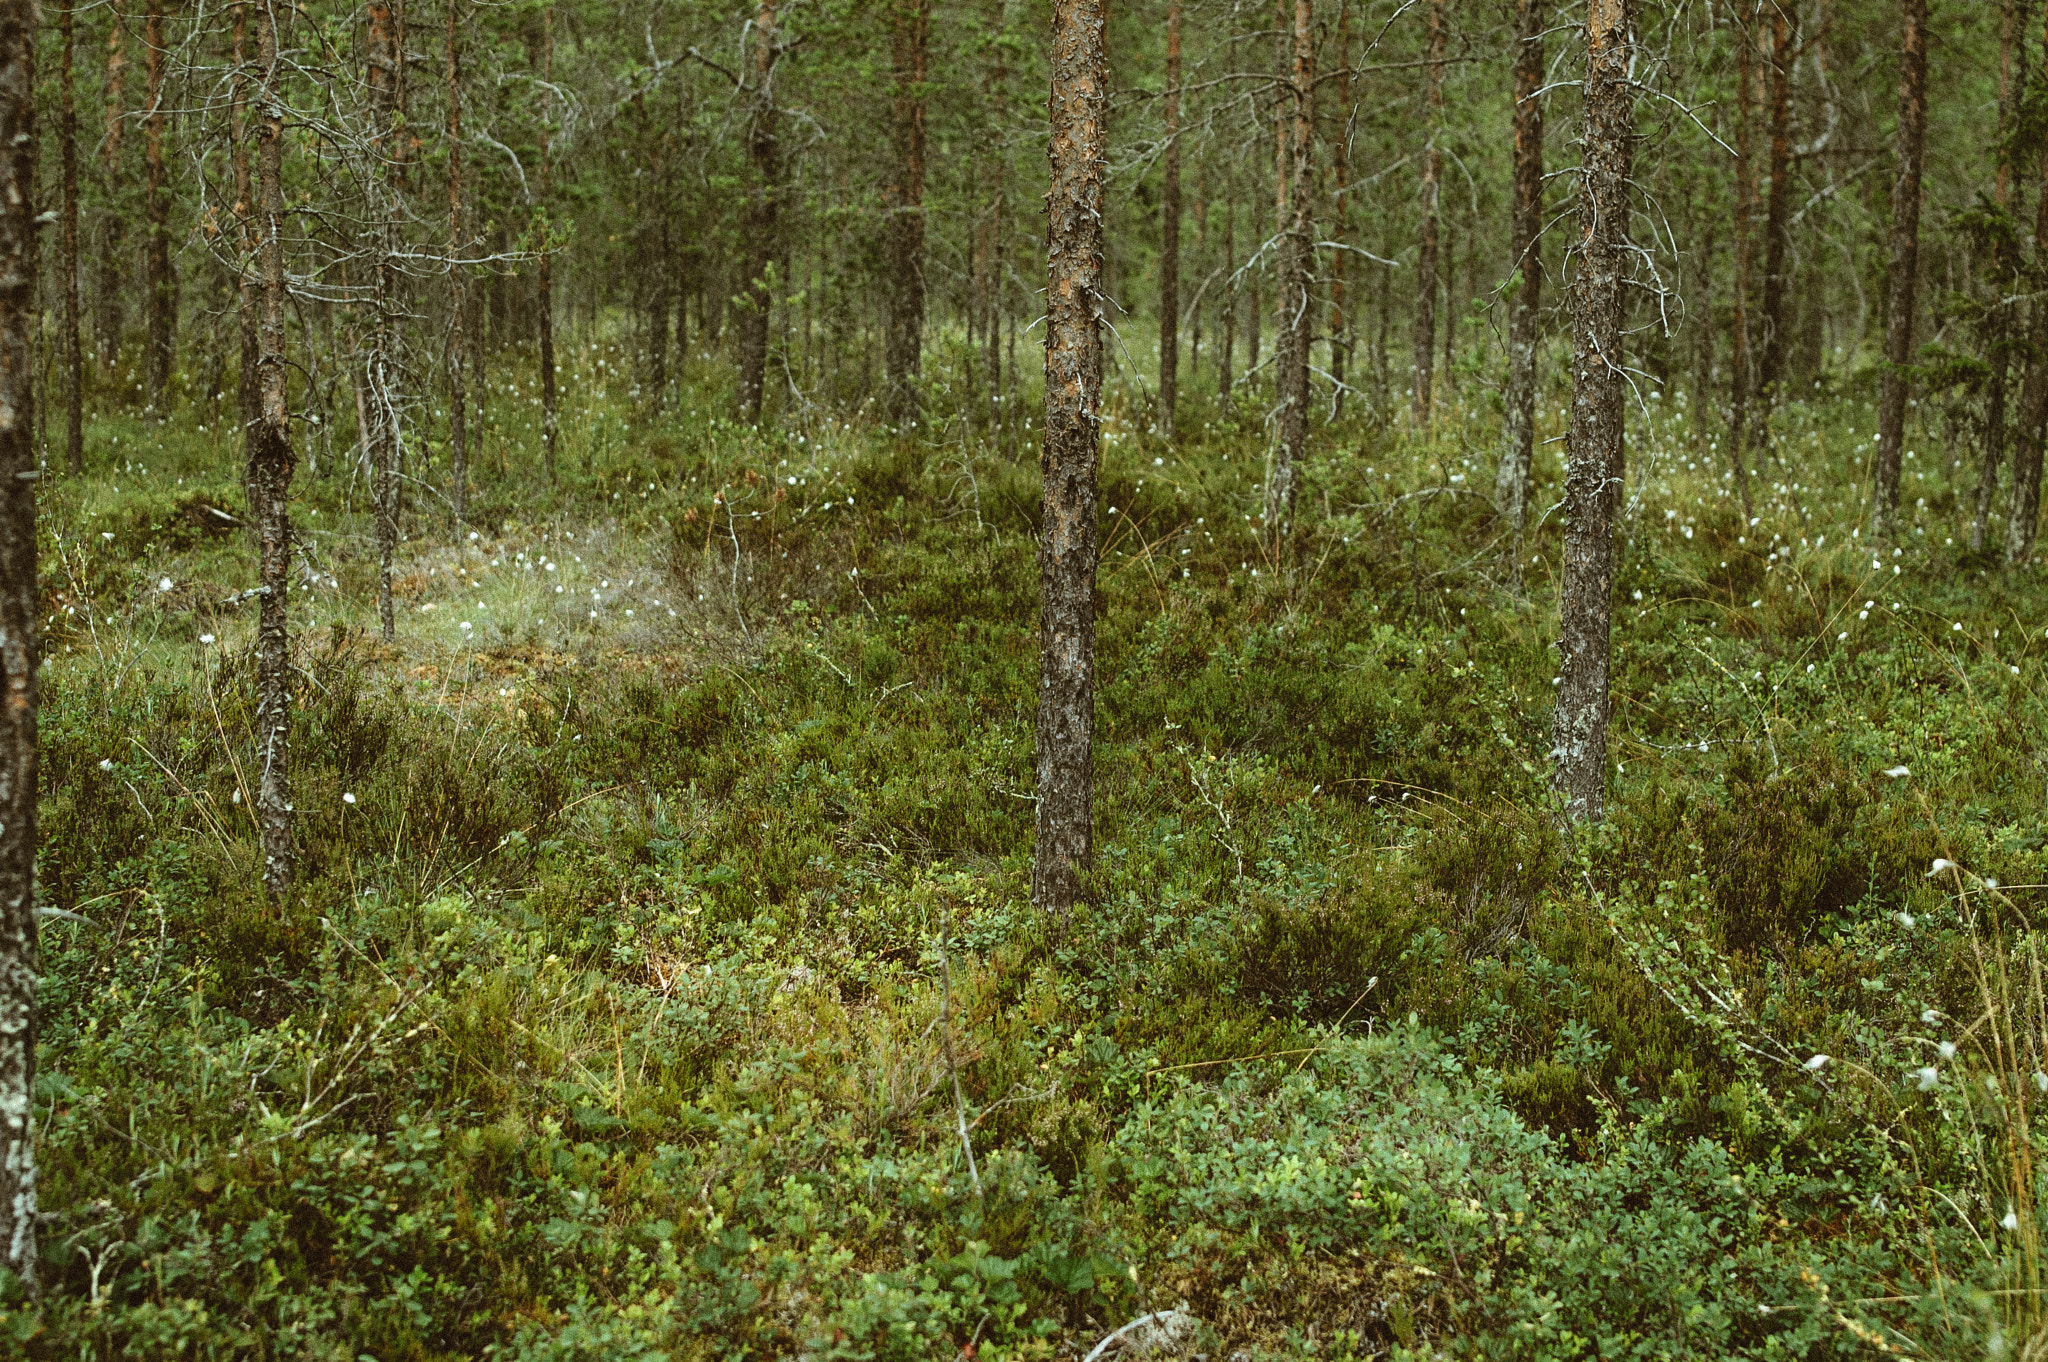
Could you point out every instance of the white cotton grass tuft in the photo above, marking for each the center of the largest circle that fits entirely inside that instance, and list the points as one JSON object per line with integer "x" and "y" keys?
{"x": 1905, "y": 919}
{"x": 1947, "y": 1049}
{"x": 1816, "y": 1064}
{"x": 1930, "y": 1016}
{"x": 106, "y": 763}
{"x": 1928, "y": 1077}
{"x": 2040, "y": 1082}
{"x": 1898, "y": 772}
{"x": 1941, "y": 863}
{"x": 206, "y": 638}
{"x": 164, "y": 584}
{"x": 2011, "y": 1221}
{"x": 348, "y": 797}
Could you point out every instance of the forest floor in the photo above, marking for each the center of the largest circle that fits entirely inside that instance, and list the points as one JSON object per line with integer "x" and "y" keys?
{"x": 661, "y": 980}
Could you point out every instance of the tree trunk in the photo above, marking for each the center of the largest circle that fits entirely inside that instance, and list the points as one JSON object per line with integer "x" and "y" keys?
{"x": 1340, "y": 205}
{"x": 1226, "y": 353}
{"x": 1294, "y": 317}
{"x": 162, "y": 302}
{"x": 1777, "y": 214}
{"x": 1745, "y": 206}
{"x": 763, "y": 214}
{"x": 74, "y": 358}
{"x": 904, "y": 346}
{"x": 1905, "y": 265}
{"x": 250, "y": 400}
{"x": 1999, "y": 328}
{"x": 545, "y": 305}
{"x": 1073, "y": 396}
{"x": 2026, "y": 462}
{"x": 270, "y": 475}
{"x": 1169, "y": 235}
{"x": 1595, "y": 452}
{"x": 1511, "y": 481}
{"x": 385, "y": 54}
{"x": 114, "y": 228}
{"x": 1432, "y": 175}
{"x": 458, "y": 289}
{"x": 20, "y": 643}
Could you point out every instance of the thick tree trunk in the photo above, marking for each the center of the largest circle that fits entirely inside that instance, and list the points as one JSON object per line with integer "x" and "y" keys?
{"x": 1745, "y": 206}
{"x": 458, "y": 289}
{"x": 903, "y": 348}
{"x": 1511, "y": 480}
{"x": 1073, "y": 398}
{"x": 1777, "y": 215}
{"x": 110, "y": 313}
{"x": 764, "y": 205}
{"x": 1905, "y": 265}
{"x": 1294, "y": 319}
{"x": 270, "y": 476}
{"x": 162, "y": 301}
{"x": 74, "y": 358}
{"x": 1169, "y": 234}
{"x": 2026, "y": 462}
{"x": 20, "y": 642}
{"x": 1432, "y": 176}
{"x": 1595, "y": 450}
{"x": 545, "y": 306}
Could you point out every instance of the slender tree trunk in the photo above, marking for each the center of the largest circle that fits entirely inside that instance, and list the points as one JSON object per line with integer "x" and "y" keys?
{"x": 20, "y": 643}
{"x": 270, "y": 475}
{"x": 1432, "y": 176}
{"x": 162, "y": 301}
{"x": 1905, "y": 265}
{"x": 1595, "y": 451}
{"x": 1169, "y": 234}
{"x": 113, "y": 228}
{"x": 249, "y": 318}
{"x": 1745, "y": 207}
{"x": 2026, "y": 462}
{"x": 1777, "y": 215}
{"x": 1340, "y": 207}
{"x": 1073, "y": 397}
{"x": 903, "y": 349}
{"x": 1511, "y": 480}
{"x": 546, "y": 306}
{"x": 764, "y": 204}
{"x": 458, "y": 289}
{"x": 1999, "y": 329}
{"x": 385, "y": 54}
{"x": 74, "y": 358}
{"x": 1226, "y": 353}
{"x": 1295, "y": 317}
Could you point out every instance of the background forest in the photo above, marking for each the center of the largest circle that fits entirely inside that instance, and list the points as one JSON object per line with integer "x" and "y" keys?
{"x": 637, "y": 957}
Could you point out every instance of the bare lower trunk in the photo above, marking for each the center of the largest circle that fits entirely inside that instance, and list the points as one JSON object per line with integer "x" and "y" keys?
{"x": 1340, "y": 208}
{"x": 1073, "y": 396}
{"x": 110, "y": 312}
{"x": 384, "y": 56}
{"x": 1432, "y": 177}
{"x": 1594, "y": 456}
{"x": 1745, "y": 204}
{"x": 1905, "y": 264}
{"x": 1169, "y": 234}
{"x": 458, "y": 289}
{"x": 270, "y": 476}
{"x": 74, "y": 358}
{"x": 1511, "y": 481}
{"x": 162, "y": 300}
{"x": 1777, "y": 216}
{"x": 763, "y": 218}
{"x": 1294, "y": 316}
{"x": 20, "y": 644}
{"x": 250, "y": 403}
{"x": 1226, "y": 353}
{"x": 903, "y": 348}
{"x": 2026, "y": 459}
{"x": 546, "y": 303}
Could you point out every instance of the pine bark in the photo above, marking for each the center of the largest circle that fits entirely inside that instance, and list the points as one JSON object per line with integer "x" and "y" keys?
{"x": 73, "y": 356}
{"x": 1999, "y": 327}
{"x": 270, "y": 465}
{"x": 1340, "y": 211}
{"x": 1777, "y": 215}
{"x": 1226, "y": 353}
{"x": 764, "y": 207}
{"x": 1432, "y": 176}
{"x": 2026, "y": 460}
{"x": 1594, "y": 456}
{"x": 110, "y": 314}
{"x": 1511, "y": 480}
{"x": 1169, "y": 234}
{"x": 903, "y": 347}
{"x": 458, "y": 289}
{"x": 161, "y": 284}
{"x": 1294, "y": 318}
{"x": 249, "y": 319}
{"x": 545, "y": 305}
{"x": 1745, "y": 207}
{"x": 1068, "y": 537}
{"x": 1905, "y": 265}
{"x": 385, "y": 54}
{"x": 20, "y": 643}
